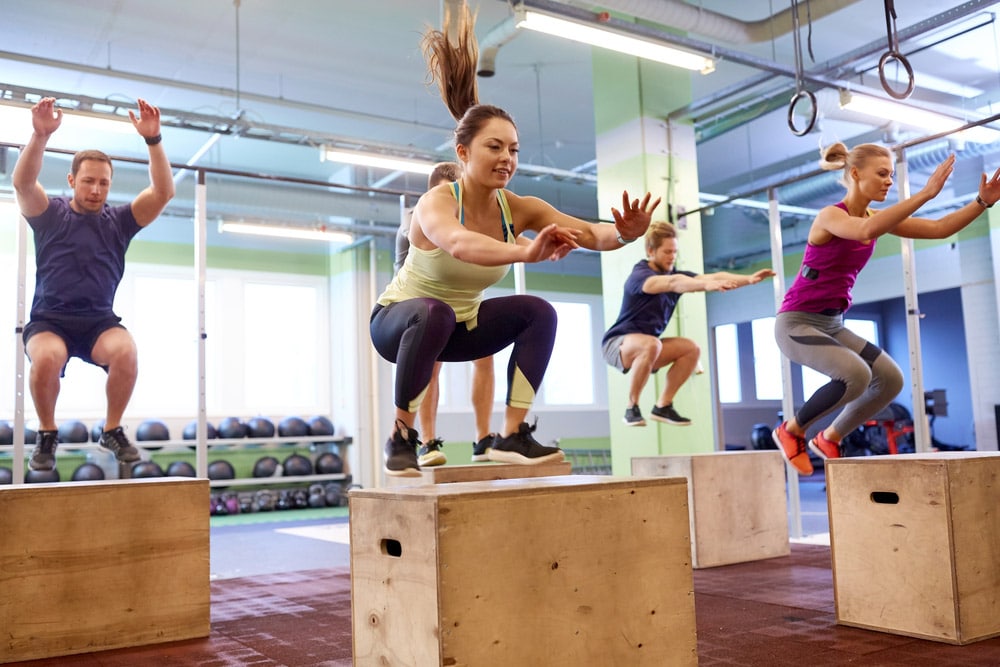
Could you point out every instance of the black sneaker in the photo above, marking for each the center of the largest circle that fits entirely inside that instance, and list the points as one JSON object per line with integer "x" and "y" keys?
{"x": 43, "y": 457}
{"x": 633, "y": 417}
{"x": 523, "y": 449}
{"x": 117, "y": 443}
{"x": 430, "y": 454}
{"x": 481, "y": 449}
{"x": 668, "y": 415}
{"x": 401, "y": 452}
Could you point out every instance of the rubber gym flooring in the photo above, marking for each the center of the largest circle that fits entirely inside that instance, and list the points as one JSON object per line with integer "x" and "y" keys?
{"x": 280, "y": 595}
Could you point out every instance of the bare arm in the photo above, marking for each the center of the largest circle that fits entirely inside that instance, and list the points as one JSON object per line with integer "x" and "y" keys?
{"x": 681, "y": 284}
{"x": 834, "y": 221}
{"x": 436, "y": 225}
{"x": 739, "y": 279}
{"x": 630, "y": 223}
{"x": 923, "y": 228}
{"x": 31, "y": 197}
{"x": 149, "y": 203}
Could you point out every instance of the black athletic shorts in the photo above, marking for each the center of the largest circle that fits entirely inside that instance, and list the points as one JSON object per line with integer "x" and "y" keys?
{"x": 79, "y": 332}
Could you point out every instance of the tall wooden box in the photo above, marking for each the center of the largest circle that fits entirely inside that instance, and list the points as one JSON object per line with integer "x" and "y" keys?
{"x": 480, "y": 472}
{"x": 915, "y": 540}
{"x": 568, "y": 570}
{"x": 91, "y": 566}
{"x": 738, "y": 508}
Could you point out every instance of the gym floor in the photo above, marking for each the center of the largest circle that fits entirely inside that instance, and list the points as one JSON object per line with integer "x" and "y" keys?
{"x": 281, "y": 596}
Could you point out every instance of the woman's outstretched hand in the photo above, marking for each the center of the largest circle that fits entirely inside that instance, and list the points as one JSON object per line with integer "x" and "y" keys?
{"x": 635, "y": 216}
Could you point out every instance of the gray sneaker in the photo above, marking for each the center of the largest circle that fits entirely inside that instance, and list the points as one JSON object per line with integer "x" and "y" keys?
{"x": 523, "y": 449}
{"x": 430, "y": 453}
{"x": 117, "y": 443}
{"x": 43, "y": 457}
{"x": 633, "y": 417}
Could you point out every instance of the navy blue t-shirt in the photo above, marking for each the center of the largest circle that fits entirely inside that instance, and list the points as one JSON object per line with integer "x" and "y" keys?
{"x": 645, "y": 313}
{"x": 79, "y": 258}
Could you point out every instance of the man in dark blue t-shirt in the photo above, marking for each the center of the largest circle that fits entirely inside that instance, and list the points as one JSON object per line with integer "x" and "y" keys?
{"x": 651, "y": 293}
{"x": 80, "y": 245}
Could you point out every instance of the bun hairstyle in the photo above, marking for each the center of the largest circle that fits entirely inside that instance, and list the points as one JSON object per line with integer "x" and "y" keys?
{"x": 836, "y": 156}
{"x": 452, "y": 58}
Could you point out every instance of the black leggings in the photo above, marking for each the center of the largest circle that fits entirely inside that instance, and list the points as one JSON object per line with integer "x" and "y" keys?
{"x": 415, "y": 333}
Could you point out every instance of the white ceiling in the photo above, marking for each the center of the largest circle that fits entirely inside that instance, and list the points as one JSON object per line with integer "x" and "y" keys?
{"x": 276, "y": 79}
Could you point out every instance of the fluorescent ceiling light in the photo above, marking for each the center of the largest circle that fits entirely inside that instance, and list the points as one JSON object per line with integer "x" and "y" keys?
{"x": 905, "y": 114}
{"x": 379, "y": 161}
{"x": 15, "y": 119}
{"x": 285, "y": 231}
{"x": 607, "y": 38}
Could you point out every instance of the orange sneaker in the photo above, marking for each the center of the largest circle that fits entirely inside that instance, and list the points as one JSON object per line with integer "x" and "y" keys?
{"x": 824, "y": 447}
{"x": 793, "y": 448}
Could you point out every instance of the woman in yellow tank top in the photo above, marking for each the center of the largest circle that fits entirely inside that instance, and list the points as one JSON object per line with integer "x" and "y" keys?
{"x": 463, "y": 238}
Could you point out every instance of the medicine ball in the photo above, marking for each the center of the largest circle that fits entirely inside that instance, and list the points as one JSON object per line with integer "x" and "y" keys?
{"x": 329, "y": 463}
{"x": 30, "y": 435}
{"x": 152, "y": 430}
{"x": 297, "y": 465}
{"x": 6, "y": 476}
{"x": 760, "y": 437}
{"x": 6, "y": 433}
{"x": 191, "y": 431}
{"x": 73, "y": 431}
{"x": 143, "y": 469}
{"x": 293, "y": 427}
{"x": 260, "y": 427}
{"x": 181, "y": 469}
{"x": 232, "y": 427}
{"x": 96, "y": 431}
{"x": 266, "y": 466}
{"x": 320, "y": 425}
{"x": 88, "y": 472}
{"x": 41, "y": 476}
{"x": 221, "y": 469}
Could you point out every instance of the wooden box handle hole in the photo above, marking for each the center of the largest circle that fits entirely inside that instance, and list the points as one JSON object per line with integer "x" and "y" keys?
{"x": 391, "y": 548}
{"x": 885, "y": 497}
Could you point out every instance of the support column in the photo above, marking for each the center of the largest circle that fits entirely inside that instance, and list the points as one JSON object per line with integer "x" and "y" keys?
{"x": 638, "y": 151}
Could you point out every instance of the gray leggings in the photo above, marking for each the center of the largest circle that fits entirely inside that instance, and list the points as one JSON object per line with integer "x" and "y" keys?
{"x": 863, "y": 378}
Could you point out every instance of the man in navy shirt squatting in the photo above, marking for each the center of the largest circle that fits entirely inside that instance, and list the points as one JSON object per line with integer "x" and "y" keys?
{"x": 651, "y": 293}
{"x": 80, "y": 245}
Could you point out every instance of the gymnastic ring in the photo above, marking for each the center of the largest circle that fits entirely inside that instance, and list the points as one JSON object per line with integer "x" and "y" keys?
{"x": 791, "y": 113}
{"x": 901, "y": 59}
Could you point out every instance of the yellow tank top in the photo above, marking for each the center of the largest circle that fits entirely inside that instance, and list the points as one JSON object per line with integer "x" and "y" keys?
{"x": 438, "y": 275}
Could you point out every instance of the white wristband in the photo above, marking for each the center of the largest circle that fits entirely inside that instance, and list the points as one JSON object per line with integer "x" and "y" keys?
{"x": 621, "y": 240}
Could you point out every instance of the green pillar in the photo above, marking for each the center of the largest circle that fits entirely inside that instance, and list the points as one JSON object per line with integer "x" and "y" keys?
{"x": 638, "y": 151}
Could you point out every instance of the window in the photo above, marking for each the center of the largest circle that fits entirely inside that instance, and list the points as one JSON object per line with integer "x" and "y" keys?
{"x": 766, "y": 360}
{"x": 727, "y": 359}
{"x": 569, "y": 379}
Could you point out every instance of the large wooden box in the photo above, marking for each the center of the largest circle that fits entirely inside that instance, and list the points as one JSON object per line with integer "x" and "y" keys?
{"x": 738, "y": 508}
{"x": 480, "y": 472}
{"x": 915, "y": 541}
{"x": 568, "y": 570}
{"x": 90, "y": 566}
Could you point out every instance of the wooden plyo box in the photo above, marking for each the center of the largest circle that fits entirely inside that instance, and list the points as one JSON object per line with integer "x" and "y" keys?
{"x": 915, "y": 541}
{"x": 558, "y": 571}
{"x": 91, "y": 566}
{"x": 481, "y": 472}
{"x": 737, "y": 502}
